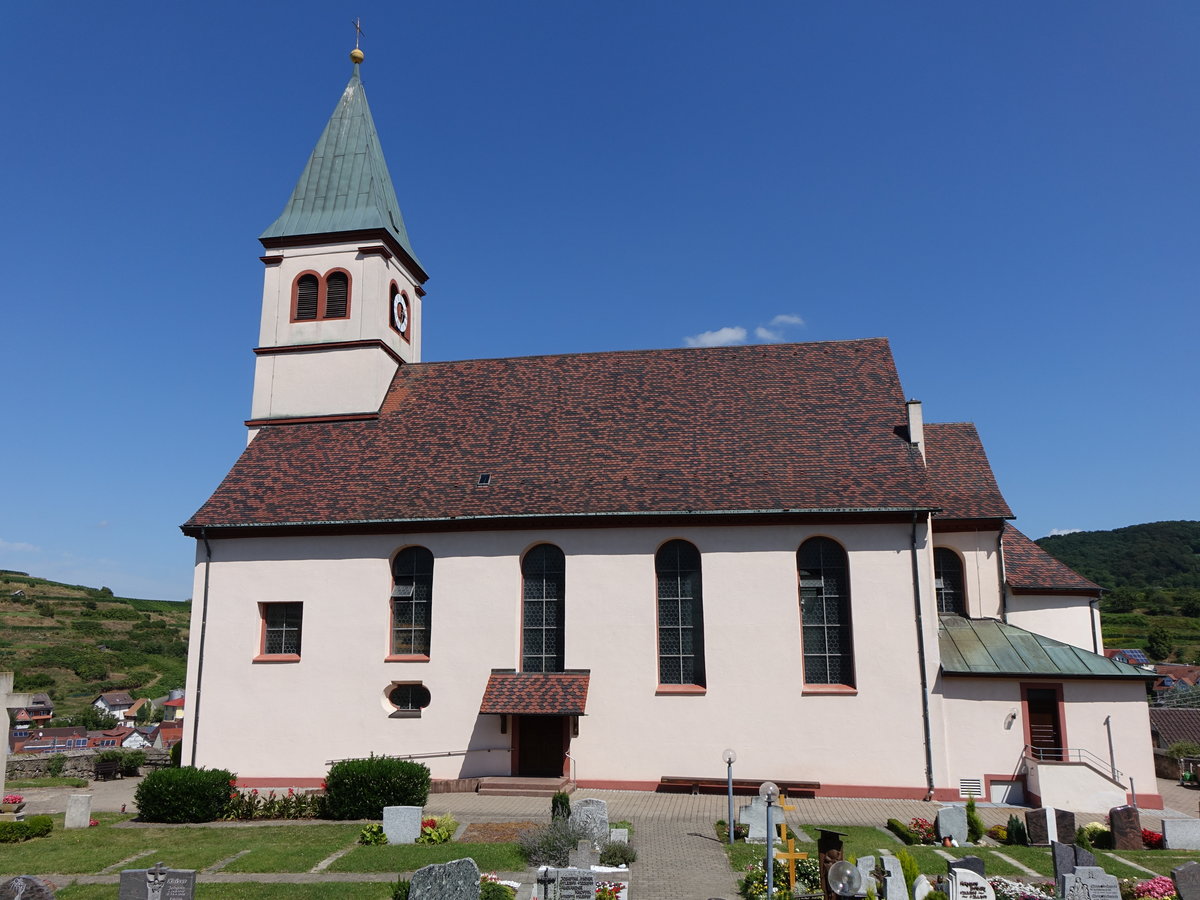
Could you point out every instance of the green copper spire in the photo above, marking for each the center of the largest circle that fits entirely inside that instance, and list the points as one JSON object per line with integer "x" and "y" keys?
{"x": 345, "y": 186}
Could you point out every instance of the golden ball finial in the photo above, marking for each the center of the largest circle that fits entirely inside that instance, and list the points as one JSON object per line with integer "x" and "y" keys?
{"x": 356, "y": 56}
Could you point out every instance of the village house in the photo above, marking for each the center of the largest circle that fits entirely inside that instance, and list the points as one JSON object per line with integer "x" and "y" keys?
{"x": 609, "y": 567}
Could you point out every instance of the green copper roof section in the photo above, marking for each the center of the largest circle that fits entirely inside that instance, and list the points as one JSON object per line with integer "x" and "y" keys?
{"x": 991, "y": 647}
{"x": 346, "y": 185}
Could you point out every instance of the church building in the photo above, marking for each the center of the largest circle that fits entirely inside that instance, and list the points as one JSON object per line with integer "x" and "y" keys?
{"x": 609, "y": 567}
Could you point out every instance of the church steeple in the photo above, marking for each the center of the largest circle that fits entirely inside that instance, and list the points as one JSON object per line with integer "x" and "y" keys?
{"x": 342, "y": 288}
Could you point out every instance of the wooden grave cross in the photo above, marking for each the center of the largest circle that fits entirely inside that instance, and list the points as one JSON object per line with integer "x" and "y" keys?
{"x": 790, "y": 855}
{"x": 8, "y": 700}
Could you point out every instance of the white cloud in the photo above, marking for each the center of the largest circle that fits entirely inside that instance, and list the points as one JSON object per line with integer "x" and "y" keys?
{"x": 17, "y": 547}
{"x": 765, "y": 334}
{"x": 722, "y": 337}
{"x": 1057, "y": 531}
{"x": 786, "y": 319}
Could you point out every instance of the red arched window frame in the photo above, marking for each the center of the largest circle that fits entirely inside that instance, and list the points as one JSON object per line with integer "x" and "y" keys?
{"x": 330, "y": 305}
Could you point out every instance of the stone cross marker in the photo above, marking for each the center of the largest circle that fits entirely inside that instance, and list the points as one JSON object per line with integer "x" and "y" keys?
{"x": 754, "y": 816}
{"x": 887, "y": 874}
{"x": 1187, "y": 879}
{"x": 457, "y": 880}
{"x": 8, "y": 700}
{"x": 584, "y": 856}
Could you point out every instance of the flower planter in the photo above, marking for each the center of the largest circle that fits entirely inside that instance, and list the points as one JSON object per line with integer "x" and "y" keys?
{"x": 12, "y": 807}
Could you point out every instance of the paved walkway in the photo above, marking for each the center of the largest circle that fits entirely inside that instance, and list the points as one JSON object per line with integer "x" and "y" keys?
{"x": 679, "y": 857}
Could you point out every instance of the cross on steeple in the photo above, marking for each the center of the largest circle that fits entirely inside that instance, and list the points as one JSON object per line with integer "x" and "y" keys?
{"x": 8, "y": 700}
{"x": 358, "y": 32}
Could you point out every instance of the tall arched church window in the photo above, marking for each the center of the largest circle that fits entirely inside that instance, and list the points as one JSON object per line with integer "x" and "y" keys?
{"x": 412, "y": 601}
{"x": 948, "y": 577}
{"x": 543, "y": 576}
{"x": 680, "y": 614}
{"x": 826, "y": 637}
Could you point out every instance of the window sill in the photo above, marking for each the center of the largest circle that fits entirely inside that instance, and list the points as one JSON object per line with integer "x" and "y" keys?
{"x": 405, "y": 714}
{"x": 687, "y": 689}
{"x": 276, "y": 658}
{"x": 406, "y": 657}
{"x": 843, "y": 690}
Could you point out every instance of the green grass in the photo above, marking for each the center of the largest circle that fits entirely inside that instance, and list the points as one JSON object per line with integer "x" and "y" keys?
{"x": 344, "y": 891}
{"x": 45, "y": 783}
{"x": 291, "y": 848}
{"x": 410, "y": 857}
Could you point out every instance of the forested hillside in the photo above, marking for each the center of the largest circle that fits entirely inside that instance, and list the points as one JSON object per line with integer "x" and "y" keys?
{"x": 73, "y": 641}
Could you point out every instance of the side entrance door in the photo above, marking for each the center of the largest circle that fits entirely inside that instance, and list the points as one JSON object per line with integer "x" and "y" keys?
{"x": 541, "y": 746}
{"x": 1045, "y": 727}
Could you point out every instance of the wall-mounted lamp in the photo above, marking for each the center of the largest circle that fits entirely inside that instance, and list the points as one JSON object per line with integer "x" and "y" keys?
{"x": 1009, "y": 719}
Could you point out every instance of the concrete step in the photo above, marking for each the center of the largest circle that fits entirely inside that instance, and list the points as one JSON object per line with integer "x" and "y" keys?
{"x": 524, "y": 787}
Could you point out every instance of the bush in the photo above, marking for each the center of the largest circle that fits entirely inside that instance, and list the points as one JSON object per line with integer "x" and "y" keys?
{"x": 560, "y": 805}
{"x": 1017, "y": 835}
{"x": 975, "y": 826}
{"x": 1180, "y": 749}
{"x": 372, "y": 835}
{"x": 617, "y": 853}
{"x": 437, "y": 830}
{"x": 1098, "y": 835}
{"x": 185, "y": 794}
{"x": 131, "y": 761}
{"x": 549, "y": 845}
{"x": 253, "y": 805}
{"x": 55, "y": 765}
{"x": 39, "y": 826}
{"x": 400, "y": 890}
{"x": 902, "y": 831}
{"x": 176, "y": 753}
{"x": 908, "y": 865}
{"x": 33, "y": 827}
{"x": 494, "y": 890}
{"x": 361, "y": 788}
{"x": 1082, "y": 840}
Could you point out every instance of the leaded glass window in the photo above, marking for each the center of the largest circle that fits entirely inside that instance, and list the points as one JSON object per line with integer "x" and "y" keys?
{"x": 824, "y": 573}
{"x": 412, "y": 597}
{"x": 948, "y": 574}
{"x": 680, "y": 614}
{"x": 543, "y": 574}
{"x": 281, "y": 631}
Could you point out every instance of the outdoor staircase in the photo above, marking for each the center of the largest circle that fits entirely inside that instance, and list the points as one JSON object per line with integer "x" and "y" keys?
{"x": 499, "y": 786}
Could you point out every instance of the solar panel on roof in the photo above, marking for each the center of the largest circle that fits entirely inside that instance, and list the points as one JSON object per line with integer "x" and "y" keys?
{"x": 1137, "y": 657}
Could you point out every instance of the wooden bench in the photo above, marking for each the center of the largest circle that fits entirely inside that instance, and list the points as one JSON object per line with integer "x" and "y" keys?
{"x": 740, "y": 785}
{"x": 108, "y": 768}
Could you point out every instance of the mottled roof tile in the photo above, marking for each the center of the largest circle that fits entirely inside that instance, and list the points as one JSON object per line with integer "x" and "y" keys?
{"x": 536, "y": 693}
{"x": 1029, "y": 568}
{"x": 961, "y": 474}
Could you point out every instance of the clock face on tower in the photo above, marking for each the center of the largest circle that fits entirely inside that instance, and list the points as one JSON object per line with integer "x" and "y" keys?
{"x": 400, "y": 313}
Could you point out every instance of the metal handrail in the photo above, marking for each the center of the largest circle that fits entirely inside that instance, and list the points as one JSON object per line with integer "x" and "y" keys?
{"x": 1077, "y": 755}
{"x": 440, "y": 753}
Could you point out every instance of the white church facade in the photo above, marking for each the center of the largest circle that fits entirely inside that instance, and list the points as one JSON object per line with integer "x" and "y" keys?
{"x": 610, "y": 567}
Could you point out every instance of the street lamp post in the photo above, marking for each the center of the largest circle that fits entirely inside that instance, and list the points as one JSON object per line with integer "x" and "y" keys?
{"x": 769, "y": 791}
{"x": 730, "y": 758}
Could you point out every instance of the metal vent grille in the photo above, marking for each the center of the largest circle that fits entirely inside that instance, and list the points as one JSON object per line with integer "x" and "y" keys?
{"x": 337, "y": 290}
{"x": 970, "y": 787}
{"x": 306, "y": 297}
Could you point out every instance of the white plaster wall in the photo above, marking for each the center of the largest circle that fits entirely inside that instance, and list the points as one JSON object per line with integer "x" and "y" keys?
{"x": 330, "y": 704}
{"x": 981, "y": 575}
{"x": 1064, "y": 618}
{"x": 321, "y": 382}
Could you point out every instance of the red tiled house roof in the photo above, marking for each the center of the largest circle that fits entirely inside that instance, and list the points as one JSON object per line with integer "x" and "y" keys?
{"x": 961, "y": 474}
{"x": 1030, "y": 569}
{"x": 1169, "y": 726}
{"x": 783, "y": 428}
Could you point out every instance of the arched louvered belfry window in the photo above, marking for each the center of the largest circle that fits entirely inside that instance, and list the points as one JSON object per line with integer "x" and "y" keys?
{"x": 948, "y": 575}
{"x": 308, "y": 290}
{"x": 826, "y": 637}
{"x": 543, "y": 613}
{"x": 680, "y": 614}
{"x": 337, "y": 296}
{"x": 412, "y": 601}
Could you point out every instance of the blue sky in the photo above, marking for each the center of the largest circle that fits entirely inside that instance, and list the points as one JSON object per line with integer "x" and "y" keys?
{"x": 1008, "y": 192}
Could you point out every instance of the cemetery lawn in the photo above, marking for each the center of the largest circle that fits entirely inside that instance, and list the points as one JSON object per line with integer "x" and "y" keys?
{"x": 354, "y": 890}
{"x": 410, "y": 857}
{"x": 11, "y": 784}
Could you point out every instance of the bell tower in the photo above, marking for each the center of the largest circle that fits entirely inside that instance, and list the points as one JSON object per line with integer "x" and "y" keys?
{"x": 342, "y": 291}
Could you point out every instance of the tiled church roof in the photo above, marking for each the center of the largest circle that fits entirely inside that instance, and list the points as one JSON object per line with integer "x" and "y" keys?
{"x": 960, "y": 473}
{"x": 1027, "y": 567}
{"x": 536, "y": 693}
{"x": 769, "y": 428}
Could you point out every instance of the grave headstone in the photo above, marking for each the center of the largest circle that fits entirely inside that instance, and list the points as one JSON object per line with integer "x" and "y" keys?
{"x": 974, "y": 863}
{"x": 922, "y": 888}
{"x": 79, "y": 811}
{"x": 26, "y": 887}
{"x": 157, "y": 883}
{"x": 1064, "y": 862}
{"x": 573, "y": 884}
{"x": 1065, "y": 819}
{"x": 1181, "y": 834}
{"x": 457, "y": 880}
{"x": 754, "y": 816}
{"x": 618, "y": 835}
{"x": 1187, "y": 879}
{"x": 1090, "y": 883}
{"x": 966, "y": 884}
{"x": 591, "y": 815}
{"x": 952, "y": 823}
{"x": 896, "y": 887}
{"x": 1126, "y": 827}
{"x": 402, "y": 824}
{"x": 829, "y": 851}
{"x": 1042, "y": 826}
{"x": 584, "y": 856}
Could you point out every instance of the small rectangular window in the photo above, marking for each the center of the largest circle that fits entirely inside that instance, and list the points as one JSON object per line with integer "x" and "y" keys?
{"x": 282, "y": 628}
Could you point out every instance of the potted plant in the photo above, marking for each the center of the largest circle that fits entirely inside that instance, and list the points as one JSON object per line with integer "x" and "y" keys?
{"x": 12, "y": 803}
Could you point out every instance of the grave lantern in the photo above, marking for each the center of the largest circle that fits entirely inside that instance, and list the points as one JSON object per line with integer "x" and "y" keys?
{"x": 730, "y": 757}
{"x": 769, "y": 791}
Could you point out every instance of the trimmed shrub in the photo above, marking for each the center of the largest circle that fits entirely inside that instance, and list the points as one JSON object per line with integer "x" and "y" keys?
{"x": 39, "y": 826}
{"x": 902, "y": 831}
{"x": 361, "y": 788}
{"x": 617, "y": 853}
{"x": 1180, "y": 749}
{"x": 975, "y": 826}
{"x": 560, "y": 805}
{"x": 176, "y": 753}
{"x": 494, "y": 890}
{"x": 549, "y": 845}
{"x": 1017, "y": 835}
{"x": 33, "y": 827}
{"x": 908, "y": 865}
{"x": 131, "y": 761}
{"x": 185, "y": 794}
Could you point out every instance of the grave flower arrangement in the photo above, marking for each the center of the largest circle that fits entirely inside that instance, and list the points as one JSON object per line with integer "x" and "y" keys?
{"x": 13, "y": 798}
{"x": 1011, "y": 889}
{"x": 924, "y": 830}
{"x": 1158, "y": 888}
{"x": 608, "y": 890}
{"x": 753, "y": 885}
{"x": 1152, "y": 839}
{"x": 438, "y": 829}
